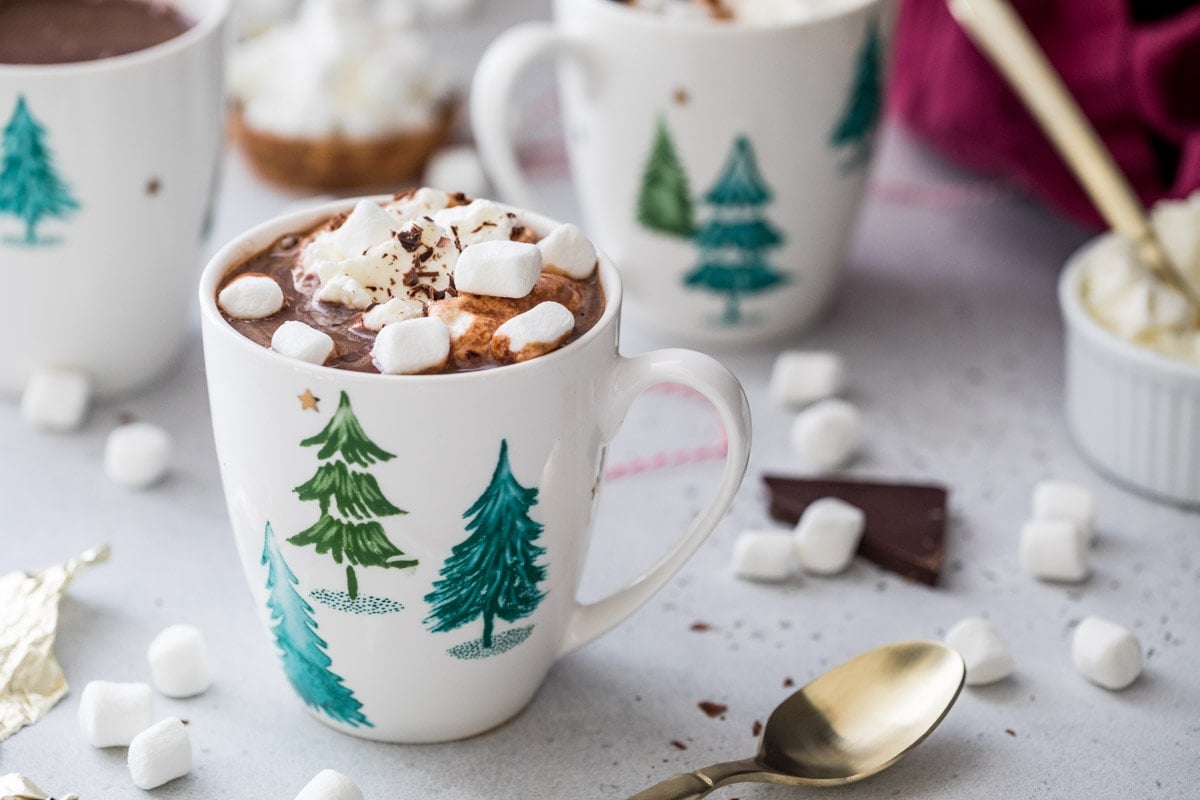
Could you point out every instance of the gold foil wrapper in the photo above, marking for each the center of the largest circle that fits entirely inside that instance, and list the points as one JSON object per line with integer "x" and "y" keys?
{"x": 31, "y": 681}
{"x": 18, "y": 787}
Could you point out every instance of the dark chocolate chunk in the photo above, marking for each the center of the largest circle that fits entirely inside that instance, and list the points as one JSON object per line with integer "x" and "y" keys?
{"x": 906, "y": 523}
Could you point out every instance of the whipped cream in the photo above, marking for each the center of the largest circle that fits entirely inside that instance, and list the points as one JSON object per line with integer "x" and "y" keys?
{"x": 1131, "y": 302}
{"x": 374, "y": 256}
{"x": 356, "y": 68}
{"x": 751, "y": 12}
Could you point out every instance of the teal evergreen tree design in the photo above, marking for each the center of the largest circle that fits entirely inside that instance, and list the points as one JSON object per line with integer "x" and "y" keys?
{"x": 301, "y": 650}
{"x": 492, "y": 573}
{"x": 856, "y": 125}
{"x": 665, "y": 202}
{"x": 734, "y": 239}
{"x": 30, "y": 188}
{"x": 352, "y": 533}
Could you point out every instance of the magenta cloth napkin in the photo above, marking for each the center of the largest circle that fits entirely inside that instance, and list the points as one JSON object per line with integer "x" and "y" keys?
{"x": 1135, "y": 73}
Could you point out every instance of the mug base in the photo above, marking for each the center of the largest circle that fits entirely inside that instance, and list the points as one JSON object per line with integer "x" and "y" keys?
{"x": 438, "y": 733}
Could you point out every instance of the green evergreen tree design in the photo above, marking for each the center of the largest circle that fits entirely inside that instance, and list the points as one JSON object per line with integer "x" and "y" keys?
{"x": 856, "y": 125}
{"x": 301, "y": 650}
{"x": 665, "y": 202}
{"x": 353, "y": 532}
{"x": 733, "y": 240}
{"x": 492, "y": 573}
{"x": 30, "y": 188}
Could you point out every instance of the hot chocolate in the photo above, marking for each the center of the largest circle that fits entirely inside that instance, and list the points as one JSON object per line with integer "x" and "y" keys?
{"x": 66, "y": 31}
{"x": 486, "y": 289}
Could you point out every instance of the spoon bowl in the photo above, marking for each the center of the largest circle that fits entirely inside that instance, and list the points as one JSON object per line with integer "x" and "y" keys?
{"x": 863, "y": 716}
{"x": 848, "y": 724}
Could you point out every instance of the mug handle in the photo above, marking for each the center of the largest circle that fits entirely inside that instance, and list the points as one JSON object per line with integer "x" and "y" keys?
{"x": 508, "y": 56}
{"x": 631, "y": 377}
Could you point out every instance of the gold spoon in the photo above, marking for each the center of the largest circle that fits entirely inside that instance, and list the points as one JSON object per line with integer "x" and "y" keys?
{"x": 855, "y": 720}
{"x": 1001, "y": 35}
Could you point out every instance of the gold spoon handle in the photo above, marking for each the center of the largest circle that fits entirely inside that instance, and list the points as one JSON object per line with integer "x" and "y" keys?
{"x": 997, "y": 30}
{"x": 694, "y": 785}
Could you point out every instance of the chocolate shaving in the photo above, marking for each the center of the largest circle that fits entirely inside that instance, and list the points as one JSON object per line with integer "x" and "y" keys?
{"x": 906, "y": 523}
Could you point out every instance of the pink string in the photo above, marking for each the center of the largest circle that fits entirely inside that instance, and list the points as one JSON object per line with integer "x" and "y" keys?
{"x": 674, "y": 458}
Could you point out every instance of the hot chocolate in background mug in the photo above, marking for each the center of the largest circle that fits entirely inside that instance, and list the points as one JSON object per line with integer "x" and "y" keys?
{"x": 107, "y": 174}
{"x": 719, "y": 164}
{"x": 468, "y": 499}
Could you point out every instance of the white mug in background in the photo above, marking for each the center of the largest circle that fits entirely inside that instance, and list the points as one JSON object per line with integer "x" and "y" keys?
{"x": 110, "y": 166}
{"x": 719, "y": 164}
{"x": 414, "y": 543}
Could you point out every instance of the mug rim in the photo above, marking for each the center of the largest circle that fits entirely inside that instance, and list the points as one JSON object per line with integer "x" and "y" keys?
{"x": 252, "y": 241}
{"x": 215, "y": 13}
{"x": 621, "y": 11}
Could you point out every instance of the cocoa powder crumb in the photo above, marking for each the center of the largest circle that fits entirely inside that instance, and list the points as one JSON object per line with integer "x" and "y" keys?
{"x": 756, "y": 728}
{"x": 1010, "y": 731}
{"x": 712, "y": 709}
{"x": 700, "y": 627}
{"x": 788, "y": 683}
{"x": 678, "y": 745}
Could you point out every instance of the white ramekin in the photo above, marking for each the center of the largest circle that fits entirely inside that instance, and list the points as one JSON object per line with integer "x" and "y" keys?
{"x": 1133, "y": 413}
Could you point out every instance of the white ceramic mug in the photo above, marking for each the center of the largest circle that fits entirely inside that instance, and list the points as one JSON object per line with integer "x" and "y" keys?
{"x": 474, "y": 494}
{"x": 719, "y": 164}
{"x": 101, "y": 242}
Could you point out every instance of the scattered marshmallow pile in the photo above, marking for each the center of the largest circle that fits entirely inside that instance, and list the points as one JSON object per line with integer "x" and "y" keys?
{"x": 752, "y": 12}
{"x": 1104, "y": 652}
{"x": 823, "y": 543}
{"x": 1132, "y": 303}
{"x": 827, "y": 431}
{"x": 1054, "y": 546}
{"x": 343, "y": 67}
{"x": 1056, "y": 541}
{"x": 136, "y": 455}
{"x": 121, "y": 714}
{"x": 394, "y": 262}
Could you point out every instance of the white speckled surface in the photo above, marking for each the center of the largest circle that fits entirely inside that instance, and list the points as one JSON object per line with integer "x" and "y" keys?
{"x": 949, "y": 325}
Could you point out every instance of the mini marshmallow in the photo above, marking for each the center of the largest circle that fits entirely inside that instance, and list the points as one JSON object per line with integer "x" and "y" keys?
{"x": 498, "y": 269}
{"x": 302, "y": 342}
{"x": 986, "y": 654}
{"x": 1064, "y": 500}
{"x": 56, "y": 399}
{"x": 161, "y": 753}
{"x": 1107, "y": 654}
{"x": 179, "y": 665}
{"x": 346, "y": 291}
{"x": 827, "y": 434}
{"x": 368, "y": 225}
{"x": 566, "y": 250}
{"x": 330, "y": 784}
{"x": 456, "y": 169}
{"x": 421, "y": 202}
{"x": 137, "y": 455}
{"x": 457, "y": 319}
{"x": 251, "y": 296}
{"x": 412, "y": 346}
{"x": 478, "y": 221}
{"x": 799, "y": 377}
{"x": 536, "y": 332}
{"x": 827, "y": 535}
{"x": 111, "y": 714}
{"x": 395, "y": 310}
{"x": 764, "y": 556}
{"x": 1054, "y": 550}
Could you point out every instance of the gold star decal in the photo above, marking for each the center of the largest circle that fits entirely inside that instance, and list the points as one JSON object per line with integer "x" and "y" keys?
{"x": 681, "y": 97}
{"x": 307, "y": 401}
